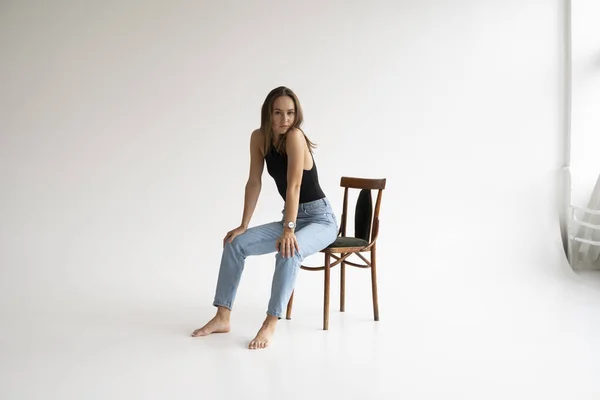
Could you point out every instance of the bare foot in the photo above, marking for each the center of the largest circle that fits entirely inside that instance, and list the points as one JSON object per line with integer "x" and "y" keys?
{"x": 216, "y": 325}
{"x": 263, "y": 336}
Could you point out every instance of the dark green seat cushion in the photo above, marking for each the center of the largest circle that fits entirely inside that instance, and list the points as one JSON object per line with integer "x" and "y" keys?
{"x": 348, "y": 242}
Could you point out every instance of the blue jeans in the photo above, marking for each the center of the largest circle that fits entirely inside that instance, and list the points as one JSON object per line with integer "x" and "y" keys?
{"x": 316, "y": 228}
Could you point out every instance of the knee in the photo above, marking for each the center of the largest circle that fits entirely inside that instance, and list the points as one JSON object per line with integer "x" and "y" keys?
{"x": 296, "y": 259}
{"x": 237, "y": 245}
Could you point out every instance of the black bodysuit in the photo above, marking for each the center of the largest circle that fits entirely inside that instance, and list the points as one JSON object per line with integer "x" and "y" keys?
{"x": 310, "y": 190}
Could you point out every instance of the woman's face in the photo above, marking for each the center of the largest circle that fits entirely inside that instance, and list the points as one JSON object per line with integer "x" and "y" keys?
{"x": 283, "y": 114}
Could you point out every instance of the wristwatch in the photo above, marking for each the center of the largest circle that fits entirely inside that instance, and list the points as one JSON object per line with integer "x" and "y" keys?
{"x": 291, "y": 225}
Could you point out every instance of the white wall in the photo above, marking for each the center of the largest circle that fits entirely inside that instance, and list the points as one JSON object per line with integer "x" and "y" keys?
{"x": 585, "y": 125}
{"x": 586, "y": 98}
{"x": 125, "y": 128}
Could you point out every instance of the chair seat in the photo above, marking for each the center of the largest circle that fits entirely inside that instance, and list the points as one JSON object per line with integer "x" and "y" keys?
{"x": 345, "y": 243}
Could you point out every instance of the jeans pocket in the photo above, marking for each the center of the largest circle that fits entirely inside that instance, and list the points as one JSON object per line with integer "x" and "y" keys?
{"x": 316, "y": 211}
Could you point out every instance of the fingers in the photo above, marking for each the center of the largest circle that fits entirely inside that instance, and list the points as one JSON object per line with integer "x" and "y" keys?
{"x": 287, "y": 246}
{"x": 293, "y": 246}
{"x": 229, "y": 237}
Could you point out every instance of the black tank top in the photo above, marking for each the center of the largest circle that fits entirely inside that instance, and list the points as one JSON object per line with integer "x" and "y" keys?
{"x": 310, "y": 189}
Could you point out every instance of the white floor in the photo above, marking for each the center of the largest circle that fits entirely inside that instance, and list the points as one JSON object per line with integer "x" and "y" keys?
{"x": 439, "y": 337}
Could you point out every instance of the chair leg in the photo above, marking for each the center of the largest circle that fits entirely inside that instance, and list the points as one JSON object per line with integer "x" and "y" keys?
{"x": 374, "y": 283}
{"x": 326, "y": 294}
{"x": 342, "y": 286}
{"x": 288, "y": 314}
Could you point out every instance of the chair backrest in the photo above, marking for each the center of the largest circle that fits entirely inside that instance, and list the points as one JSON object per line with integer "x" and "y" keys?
{"x": 363, "y": 215}
{"x": 366, "y": 219}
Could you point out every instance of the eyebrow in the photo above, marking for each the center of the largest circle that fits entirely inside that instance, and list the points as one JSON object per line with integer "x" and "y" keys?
{"x": 291, "y": 109}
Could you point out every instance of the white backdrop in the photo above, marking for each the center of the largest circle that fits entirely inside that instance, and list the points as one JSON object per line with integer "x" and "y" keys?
{"x": 585, "y": 135}
{"x": 124, "y": 132}
{"x": 585, "y": 125}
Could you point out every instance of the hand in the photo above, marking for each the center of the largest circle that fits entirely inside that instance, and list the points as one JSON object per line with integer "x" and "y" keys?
{"x": 287, "y": 243}
{"x": 233, "y": 233}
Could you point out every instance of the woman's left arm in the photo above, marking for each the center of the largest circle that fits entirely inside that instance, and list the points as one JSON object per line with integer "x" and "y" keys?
{"x": 295, "y": 144}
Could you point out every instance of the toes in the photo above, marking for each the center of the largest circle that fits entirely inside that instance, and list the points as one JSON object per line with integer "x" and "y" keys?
{"x": 198, "y": 332}
{"x": 257, "y": 344}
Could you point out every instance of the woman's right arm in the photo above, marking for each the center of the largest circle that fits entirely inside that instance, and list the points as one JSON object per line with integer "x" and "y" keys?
{"x": 254, "y": 184}
{"x": 257, "y": 163}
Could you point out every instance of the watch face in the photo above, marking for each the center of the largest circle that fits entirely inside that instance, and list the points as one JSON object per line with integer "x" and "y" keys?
{"x": 291, "y": 225}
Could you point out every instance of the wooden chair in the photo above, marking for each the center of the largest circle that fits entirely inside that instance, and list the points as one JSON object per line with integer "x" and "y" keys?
{"x": 366, "y": 226}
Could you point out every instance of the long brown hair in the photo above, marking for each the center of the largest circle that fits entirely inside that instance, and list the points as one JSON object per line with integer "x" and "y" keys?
{"x": 266, "y": 123}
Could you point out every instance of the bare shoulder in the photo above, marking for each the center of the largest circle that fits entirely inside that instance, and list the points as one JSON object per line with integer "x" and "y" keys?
{"x": 257, "y": 140}
{"x": 296, "y": 144}
{"x": 296, "y": 135}
{"x": 296, "y": 141}
{"x": 257, "y": 134}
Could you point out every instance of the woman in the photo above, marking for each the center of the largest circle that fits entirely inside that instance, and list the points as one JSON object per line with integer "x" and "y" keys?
{"x": 308, "y": 224}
